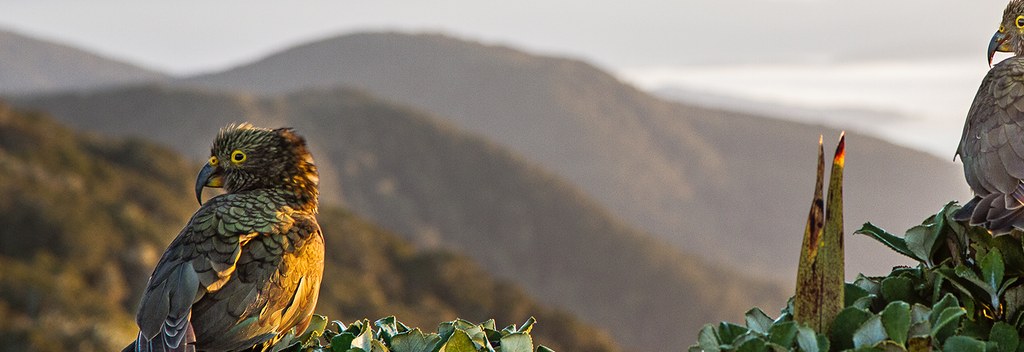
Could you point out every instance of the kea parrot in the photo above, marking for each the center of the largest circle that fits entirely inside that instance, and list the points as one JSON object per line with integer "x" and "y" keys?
{"x": 992, "y": 145}
{"x": 247, "y": 266}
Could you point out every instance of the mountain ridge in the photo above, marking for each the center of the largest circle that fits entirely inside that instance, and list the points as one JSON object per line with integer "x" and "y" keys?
{"x": 443, "y": 187}
{"x": 84, "y": 220}
{"x": 674, "y": 170}
{"x": 33, "y": 65}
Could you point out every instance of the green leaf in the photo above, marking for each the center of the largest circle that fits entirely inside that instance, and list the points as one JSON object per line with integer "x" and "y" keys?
{"x": 727, "y": 332}
{"x": 365, "y": 336}
{"x": 853, "y": 293}
{"x": 896, "y": 321}
{"x": 317, "y": 324}
{"x": 947, "y": 301}
{"x": 870, "y": 333}
{"x": 707, "y": 339}
{"x": 920, "y": 322}
{"x": 975, "y": 328}
{"x": 489, "y": 324}
{"x": 544, "y": 349}
{"x": 783, "y": 334}
{"x": 413, "y": 341}
{"x": 459, "y": 342}
{"x": 947, "y": 322}
{"x": 992, "y": 268}
{"x": 758, "y": 321}
{"x": 963, "y": 344}
{"x": 921, "y": 240}
{"x": 823, "y": 343}
{"x": 1005, "y": 336}
{"x": 754, "y": 345}
{"x": 898, "y": 289}
{"x": 890, "y": 346}
{"x": 377, "y": 346}
{"x": 342, "y": 342}
{"x": 892, "y": 241}
{"x": 846, "y": 324}
{"x": 1013, "y": 254}
{"x": 1013, "y": 301}
{"x": 518, "y": 342}
{"x": 528, "y": 325}
{"x": 388, "y": 328}
{"x": 873, "y": 286}
{"x": 807, "y": 339}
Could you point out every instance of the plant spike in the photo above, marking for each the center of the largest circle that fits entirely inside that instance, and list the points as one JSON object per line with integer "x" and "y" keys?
{"x": 819, "y": 288}
{"x": 808, "y": 283}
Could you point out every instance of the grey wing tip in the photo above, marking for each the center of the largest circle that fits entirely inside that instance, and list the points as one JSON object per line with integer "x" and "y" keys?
{"x": 993, "y": 212}
{"x": 967, "y": 211}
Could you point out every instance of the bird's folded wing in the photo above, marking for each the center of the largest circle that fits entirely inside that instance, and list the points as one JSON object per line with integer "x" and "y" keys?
{"x": 990, "y": 147}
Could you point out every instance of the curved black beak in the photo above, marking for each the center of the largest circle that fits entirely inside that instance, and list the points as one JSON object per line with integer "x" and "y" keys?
{"x": 209, "y": 176}
{"x": 998, "y": 43}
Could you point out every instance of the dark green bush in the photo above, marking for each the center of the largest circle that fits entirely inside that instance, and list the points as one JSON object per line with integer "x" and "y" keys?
{"x": 965, "y": 294}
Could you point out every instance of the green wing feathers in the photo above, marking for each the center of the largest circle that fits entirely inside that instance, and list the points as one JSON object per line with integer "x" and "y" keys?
{"x": 246, "y": 267}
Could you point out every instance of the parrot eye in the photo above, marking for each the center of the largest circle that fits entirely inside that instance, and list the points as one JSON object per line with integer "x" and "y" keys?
{"x": 213, "y": 161}
{"x": 1020, "y": 21}
{"x": 238, "y": 156}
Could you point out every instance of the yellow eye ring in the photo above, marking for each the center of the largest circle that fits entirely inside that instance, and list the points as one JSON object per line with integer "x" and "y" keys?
{"x": 1020, "y": 21}
{"x": 237, "y": 156}
{"x": 213, "y": 161}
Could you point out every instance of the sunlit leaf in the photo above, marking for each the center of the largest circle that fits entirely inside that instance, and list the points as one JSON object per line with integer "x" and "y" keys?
{"x": 758, "y": 321}
{"x": 413, "y": 341}
{"x": 459, "y": 342}
{"x": 518, "y": 342}
{"x": 707, "y": 339}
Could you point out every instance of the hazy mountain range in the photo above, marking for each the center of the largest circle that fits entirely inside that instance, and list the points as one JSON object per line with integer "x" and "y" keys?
{"x": 482, "y": 148}
{"x": 446, "y": 188}
{"x": 85, "y": 219}
{"x": 686, "y": 174}
{"x": 29, "y": 65}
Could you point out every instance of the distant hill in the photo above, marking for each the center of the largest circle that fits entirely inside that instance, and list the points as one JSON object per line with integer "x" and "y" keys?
{"x": 83, "y": 220}
{"x": 29, "y": 65}
{"x": 733, "y": 187}
{"x": 447, "y": 188}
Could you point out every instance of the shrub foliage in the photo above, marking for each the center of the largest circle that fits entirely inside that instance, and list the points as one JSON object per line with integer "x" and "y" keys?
{"x": 965, "y": 294}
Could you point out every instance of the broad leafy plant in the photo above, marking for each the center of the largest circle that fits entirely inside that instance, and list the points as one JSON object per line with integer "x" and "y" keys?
{"x": 965, "y": 293}
{"x": 389, "y": 334}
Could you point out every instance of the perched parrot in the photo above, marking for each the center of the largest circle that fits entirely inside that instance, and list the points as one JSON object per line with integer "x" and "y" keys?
{"x": 246, "y": 268}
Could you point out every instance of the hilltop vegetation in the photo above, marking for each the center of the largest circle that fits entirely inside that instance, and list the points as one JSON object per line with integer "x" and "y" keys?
{"x": 83, "y": 220}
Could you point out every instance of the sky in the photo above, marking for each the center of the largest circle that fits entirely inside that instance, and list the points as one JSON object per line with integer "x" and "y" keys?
{"x": 192, "y": 36}
{"x": 921, "y": 60}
